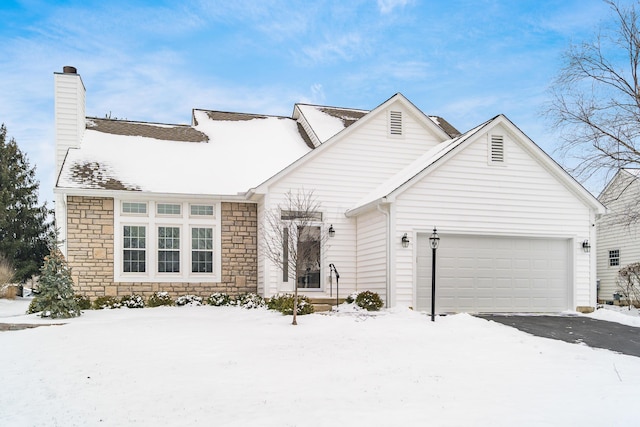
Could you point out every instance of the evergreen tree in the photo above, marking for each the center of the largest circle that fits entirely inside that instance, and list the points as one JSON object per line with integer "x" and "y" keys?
{"x": 24, "y": 225}
{"x": 55, "y": 296}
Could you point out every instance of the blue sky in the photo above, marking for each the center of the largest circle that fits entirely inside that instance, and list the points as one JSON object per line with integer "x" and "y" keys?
{"x": 464, "y": 60}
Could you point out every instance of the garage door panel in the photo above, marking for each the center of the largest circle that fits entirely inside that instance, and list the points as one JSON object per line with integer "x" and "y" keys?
{"x": 494, "y": 274}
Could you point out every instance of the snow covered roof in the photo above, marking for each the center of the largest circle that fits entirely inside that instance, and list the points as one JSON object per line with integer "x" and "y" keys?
{"x": 222, "y": 154}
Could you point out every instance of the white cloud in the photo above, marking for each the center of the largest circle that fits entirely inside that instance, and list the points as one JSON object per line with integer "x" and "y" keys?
{"x": 387, "y": 6}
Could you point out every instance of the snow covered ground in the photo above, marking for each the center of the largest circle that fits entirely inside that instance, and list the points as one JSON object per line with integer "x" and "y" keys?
{"x": 206, "y": 366}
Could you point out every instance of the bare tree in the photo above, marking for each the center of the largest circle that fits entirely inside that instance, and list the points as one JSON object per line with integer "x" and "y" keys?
{"x": 629, "y": 283}
{"x": 595, "y": 99}
{"x": 293, "y": 240}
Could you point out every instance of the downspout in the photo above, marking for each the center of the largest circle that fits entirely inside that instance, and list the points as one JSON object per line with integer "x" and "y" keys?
{"x": 387, "y": 253}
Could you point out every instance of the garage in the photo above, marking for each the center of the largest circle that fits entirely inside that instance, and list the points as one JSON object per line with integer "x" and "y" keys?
{"x": 490, "y": 274}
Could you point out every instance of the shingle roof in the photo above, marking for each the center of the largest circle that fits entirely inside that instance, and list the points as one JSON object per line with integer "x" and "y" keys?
{"x": 164, "y": 132}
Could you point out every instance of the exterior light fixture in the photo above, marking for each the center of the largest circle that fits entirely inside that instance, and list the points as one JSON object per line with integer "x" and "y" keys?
{"x": 405, "y": 241}
{"x": 586, "y": 246}
{"x": 434, "y": 241}
{"x": 332, "y": 231}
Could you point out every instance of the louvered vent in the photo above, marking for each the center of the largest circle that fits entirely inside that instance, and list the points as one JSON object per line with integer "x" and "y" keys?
{"x": 395, "y": 122}
{"x": 497, "y": 148}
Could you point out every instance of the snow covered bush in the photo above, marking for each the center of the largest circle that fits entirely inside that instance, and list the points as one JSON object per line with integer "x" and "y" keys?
{"x": 55, "y": 297}
{"x": 219, "y": 299}
{"x": 192, "y": 300}
{"x": 249, "y": 301}
{"x": 284, "y": 304}
{"x": 83, "y": 302}
{"x": 105, "y": 302}
{"x": 368, "y": 300}
{"x": 132, "y": 301}
{"x": 159, "y": 298}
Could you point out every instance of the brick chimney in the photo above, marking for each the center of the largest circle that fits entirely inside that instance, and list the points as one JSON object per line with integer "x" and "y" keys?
{"x": 69, "y": 112}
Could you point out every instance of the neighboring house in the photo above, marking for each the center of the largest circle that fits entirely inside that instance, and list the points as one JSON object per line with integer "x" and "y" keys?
{"x": 618, "y": 230}
{"x": 146, "y": 207}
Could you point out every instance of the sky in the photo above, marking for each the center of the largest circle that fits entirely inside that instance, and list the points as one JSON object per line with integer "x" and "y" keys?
{"x": 154, "y": 60}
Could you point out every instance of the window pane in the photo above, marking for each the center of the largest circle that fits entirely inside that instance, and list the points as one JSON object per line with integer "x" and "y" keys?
{"x": 134, "y": 207}
{"x": 134, "y": 244}
{"x": 202, "y": 250}
{"x": 168, "y": 249}
{"x": 202, "y": 210}
{"x": 168, "y": 209}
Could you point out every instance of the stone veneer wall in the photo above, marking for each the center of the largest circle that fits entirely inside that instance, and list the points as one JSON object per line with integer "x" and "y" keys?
{"x": 90, "y": 246}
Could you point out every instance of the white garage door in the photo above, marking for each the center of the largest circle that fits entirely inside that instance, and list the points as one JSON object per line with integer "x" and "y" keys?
{"x": 487, "y": 274}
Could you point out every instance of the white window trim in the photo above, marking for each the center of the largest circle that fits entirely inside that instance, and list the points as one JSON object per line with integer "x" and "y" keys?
{"x": 152, "y": 221}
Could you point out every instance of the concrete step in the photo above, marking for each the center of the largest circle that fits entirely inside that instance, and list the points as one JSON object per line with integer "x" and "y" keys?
{"x": 321, "y": 307}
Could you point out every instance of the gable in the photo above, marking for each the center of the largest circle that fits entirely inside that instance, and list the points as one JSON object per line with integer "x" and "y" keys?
{"x": 369, "y": 149}
{"x": 494, "y": 145}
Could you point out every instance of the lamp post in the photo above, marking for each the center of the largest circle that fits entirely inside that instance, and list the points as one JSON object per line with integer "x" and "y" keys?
{"x": 434, "y": 241}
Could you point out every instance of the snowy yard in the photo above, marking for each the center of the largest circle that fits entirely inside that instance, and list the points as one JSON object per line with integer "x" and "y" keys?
{"x": 226, "y": 366}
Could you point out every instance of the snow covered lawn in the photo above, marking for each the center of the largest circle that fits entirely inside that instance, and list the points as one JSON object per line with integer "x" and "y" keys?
{"x": 206, "y": 366}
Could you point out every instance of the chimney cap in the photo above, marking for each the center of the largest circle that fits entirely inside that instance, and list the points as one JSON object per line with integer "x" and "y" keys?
{"x": 67, "y": 69}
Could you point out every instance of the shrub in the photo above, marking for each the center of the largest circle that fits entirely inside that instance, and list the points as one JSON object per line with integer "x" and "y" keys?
{"x": 249, "y": 301}
{"x": 83, "y": 302}
{"x": 193, "y": 300}
{"x": 103, "y": 302}
{"x": 219, "y": 299}
{"x": 132, "y": 301}
{"x": 369, "y": 300}
{"x": 8, "y": 291}
{"x": 284, "y": 304}
{"x": 55, "y": 297}
{"x": 6, "y": 271}
{"x": 159, "y": 298}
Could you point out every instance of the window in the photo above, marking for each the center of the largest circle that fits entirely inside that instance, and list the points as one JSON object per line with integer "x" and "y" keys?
{"x": 614, "y": 258}
{"x": 168, "y": 209}
{"x": 168, "y": 249}
{"x": 497, "y": 149}
{"x": 201, "y": 250}
{"x": 308, "y": 265}
{"x": 308, "y": 215}
{"x": 285, "y": 254}
{"x": 167, "y": 241}
{"x": 134, "y": 207}
{"x": 395, "y": 123}
{"x": 134, "y": 252}
{"x": 202, "y": 210}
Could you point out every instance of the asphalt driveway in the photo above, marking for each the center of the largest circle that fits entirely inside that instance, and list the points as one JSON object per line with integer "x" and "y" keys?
{"x": 576, "y": 329}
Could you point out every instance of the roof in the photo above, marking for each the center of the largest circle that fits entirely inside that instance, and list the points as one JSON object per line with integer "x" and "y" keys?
{"x": 222, "y": 153}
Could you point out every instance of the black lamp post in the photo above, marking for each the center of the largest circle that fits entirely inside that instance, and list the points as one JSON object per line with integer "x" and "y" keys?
{"x": 434, "y": 241}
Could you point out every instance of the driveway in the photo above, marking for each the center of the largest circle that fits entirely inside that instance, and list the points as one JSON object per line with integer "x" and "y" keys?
{"x": 576, "y": 329}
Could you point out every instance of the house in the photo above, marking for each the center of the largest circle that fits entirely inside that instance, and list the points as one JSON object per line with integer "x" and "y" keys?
{"x": 618, "y": 231}
{"x": 145, "y": 207}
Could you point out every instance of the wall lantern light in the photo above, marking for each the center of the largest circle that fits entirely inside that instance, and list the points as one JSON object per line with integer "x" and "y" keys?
{"x": 586, "y": 246}
{"x": 332, "y": 231}
{"x": 405, "y": 241}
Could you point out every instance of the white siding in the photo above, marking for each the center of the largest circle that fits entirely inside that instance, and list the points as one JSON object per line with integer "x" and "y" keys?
{"x": 372, "y": 253}
{"x": 467, "y": 195}
{"x": 614, "y": 232}
{"x": 69, "y": 114}
{"x": 346, "y": 172}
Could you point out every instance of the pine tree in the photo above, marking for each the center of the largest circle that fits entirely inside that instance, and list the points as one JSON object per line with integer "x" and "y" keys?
{"x": 24, "y": 225}
{"x": 55, "y": 296}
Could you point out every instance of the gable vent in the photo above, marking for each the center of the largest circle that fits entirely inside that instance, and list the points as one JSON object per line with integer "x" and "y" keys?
{"x": 395, "y": 122}
{"x": 497, "y": 148}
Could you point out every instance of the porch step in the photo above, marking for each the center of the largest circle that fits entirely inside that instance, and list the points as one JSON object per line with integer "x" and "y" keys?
{"x": 324, "y": 304}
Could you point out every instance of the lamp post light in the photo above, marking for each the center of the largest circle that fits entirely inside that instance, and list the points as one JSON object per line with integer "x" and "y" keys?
{"x": 434, "y": 241}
